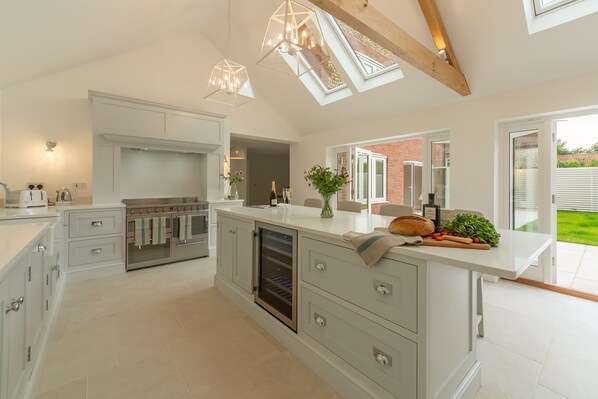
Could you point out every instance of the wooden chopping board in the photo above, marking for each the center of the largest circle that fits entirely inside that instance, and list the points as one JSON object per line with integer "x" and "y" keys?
{"x": 429, "y": 241}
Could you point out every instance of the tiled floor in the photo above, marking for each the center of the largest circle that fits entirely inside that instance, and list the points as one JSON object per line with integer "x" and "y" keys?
{"x": 577, "y": 267}
{"x": 165, "y": 332}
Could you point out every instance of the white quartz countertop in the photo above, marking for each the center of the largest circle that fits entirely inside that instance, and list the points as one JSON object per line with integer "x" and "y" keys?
{"x": 14, "y": 239}
{"x": 514, "y": 254}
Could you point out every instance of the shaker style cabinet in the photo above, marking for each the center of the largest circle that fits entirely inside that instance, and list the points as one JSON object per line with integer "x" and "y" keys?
{"x": 214, "y": 205}
{"x": 235, "y": 252}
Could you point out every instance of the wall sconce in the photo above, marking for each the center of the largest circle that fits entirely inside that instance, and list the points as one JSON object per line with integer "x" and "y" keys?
{"x": 225, "y": 161}
{"x": 50, "y": 144}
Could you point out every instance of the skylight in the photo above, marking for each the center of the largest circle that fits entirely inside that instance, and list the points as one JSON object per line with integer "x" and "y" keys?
{"x": 545, "y": 14}
{"x": 542, "y": 6}
{"x": 371, "y": 57}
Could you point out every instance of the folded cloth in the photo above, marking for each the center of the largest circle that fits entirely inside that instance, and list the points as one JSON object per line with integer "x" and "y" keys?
{"x": 142, "y": 232}
{"x": 185, "y": 227}
{"x": 159, "y": 230}
{"x": 372, "y": 246}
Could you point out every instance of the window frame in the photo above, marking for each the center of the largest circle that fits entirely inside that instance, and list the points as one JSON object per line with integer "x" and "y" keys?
{"x": 540, "y": 9}
{"x": 373, "y": 185}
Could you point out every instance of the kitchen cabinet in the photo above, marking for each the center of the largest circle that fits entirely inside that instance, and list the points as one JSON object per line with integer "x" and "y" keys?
{"x": 95, "y": 242}
{"x": 235, "y": 252}
{"x": 213, "y": 233}
{"x": 138, "y": 119}
{"x": 36, "y": 307}
{"x": 16, "y": 349}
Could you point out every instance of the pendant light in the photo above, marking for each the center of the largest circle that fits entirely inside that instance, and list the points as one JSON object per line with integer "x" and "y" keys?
{"x": 293, "y": 42}
{"x": 229, "y": 82}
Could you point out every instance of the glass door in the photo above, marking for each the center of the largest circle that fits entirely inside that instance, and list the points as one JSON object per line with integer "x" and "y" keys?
{"x": 361, "y": 176}
{"x": 440, "y": 162}
{"x": 530, "y": 187}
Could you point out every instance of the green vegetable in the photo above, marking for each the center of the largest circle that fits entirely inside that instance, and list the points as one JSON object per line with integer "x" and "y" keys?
{"x": 466, "y": 225}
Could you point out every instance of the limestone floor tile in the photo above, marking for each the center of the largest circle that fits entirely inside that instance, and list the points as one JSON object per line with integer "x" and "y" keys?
{"x": 564, "y": 279}
{"x": 506, "y": 374}
{"x": 152, "y": 377}
{"x": 589, "y": 286}
{"x": 545, "y": 393}
{"x": 77, "y": 356}
{"x": 238, "y": 388}
{"x": 72, "y": 390}
{"x": 521, "y": 334}
{"x": 285, "y": 376}
{"x": 571, "y": 366}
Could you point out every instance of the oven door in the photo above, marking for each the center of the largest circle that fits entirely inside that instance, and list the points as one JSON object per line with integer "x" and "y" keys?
{"x": 139, "y": 256}
{"x": 195, "y": 245}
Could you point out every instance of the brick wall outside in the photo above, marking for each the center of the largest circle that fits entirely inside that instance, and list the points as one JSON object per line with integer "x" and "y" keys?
{"x": 397, "y": 153}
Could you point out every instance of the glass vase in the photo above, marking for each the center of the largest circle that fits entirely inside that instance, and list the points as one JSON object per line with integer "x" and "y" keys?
{"x": 326, "y": 212}
{"x": 234, "y": 194}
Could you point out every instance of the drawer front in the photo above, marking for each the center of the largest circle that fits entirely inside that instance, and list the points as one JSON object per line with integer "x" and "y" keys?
{"x": 388, "y": 289}
{"x": 94, "y": 251}
{"x": 386, "y": 358}
{"x": 96, "y": 223}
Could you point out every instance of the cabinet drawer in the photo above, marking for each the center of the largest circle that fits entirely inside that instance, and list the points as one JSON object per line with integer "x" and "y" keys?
{"x": 94, "y": 251}
{"x": 386, "y": 358}
{"x": 96, "y": 223}
{"x": 388, "y": 289}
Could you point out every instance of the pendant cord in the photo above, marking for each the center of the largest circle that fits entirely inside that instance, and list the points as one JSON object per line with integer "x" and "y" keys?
{"x": 228, "y": 56}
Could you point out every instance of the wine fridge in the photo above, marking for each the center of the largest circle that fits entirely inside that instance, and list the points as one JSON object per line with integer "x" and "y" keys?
{"x": 275, "y": 272}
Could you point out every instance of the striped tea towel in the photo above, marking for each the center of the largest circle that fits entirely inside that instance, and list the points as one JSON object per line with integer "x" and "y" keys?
{"x": 185, "y": 227}
{"x": 142, "y": 232}
{"x": 372, "y": 246}
{"x": 159, "y": 230}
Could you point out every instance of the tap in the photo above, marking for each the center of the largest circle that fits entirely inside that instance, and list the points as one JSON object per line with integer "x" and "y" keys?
{"x": 6, "y": 188}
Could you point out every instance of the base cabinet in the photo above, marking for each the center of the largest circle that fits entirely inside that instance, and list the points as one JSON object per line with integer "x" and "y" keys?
{"x": 235, "y": 252}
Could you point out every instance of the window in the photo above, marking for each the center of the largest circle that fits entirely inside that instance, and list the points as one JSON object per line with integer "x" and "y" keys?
{"x": 371, "y": 57}
{"x": 440, "y": 157}
{"x": 378, "y": 177}
{"x": 545, "y": 14}
{"x": 542, "y": 6}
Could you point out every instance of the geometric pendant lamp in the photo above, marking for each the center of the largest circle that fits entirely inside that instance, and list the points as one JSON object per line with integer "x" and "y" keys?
{"x": 293, "y": 42}
{"x": 229, "y": 82}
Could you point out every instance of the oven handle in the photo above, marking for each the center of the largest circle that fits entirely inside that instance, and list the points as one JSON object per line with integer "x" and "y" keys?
{"x": 182, "y": 244}
{"x": 131, "y": 240}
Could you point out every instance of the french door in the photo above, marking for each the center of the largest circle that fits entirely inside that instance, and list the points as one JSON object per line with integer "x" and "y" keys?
{"x": 529, "y": 164}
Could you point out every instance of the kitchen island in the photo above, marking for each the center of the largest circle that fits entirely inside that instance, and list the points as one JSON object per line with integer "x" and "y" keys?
{"x": 404, "y": 328}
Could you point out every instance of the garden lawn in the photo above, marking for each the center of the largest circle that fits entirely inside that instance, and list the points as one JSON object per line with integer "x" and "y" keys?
{"x": 577, "y": 227}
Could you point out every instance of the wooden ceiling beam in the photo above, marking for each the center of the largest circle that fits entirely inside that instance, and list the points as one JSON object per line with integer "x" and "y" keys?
{"x": 363, "y": 17}
{"x": 439, "y": 34}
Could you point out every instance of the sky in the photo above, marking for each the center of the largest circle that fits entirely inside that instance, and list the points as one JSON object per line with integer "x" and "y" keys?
{"x": 578, "y": 132}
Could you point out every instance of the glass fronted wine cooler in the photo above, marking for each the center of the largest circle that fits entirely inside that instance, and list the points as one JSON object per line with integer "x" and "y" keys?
{"x": 276, "y": 272}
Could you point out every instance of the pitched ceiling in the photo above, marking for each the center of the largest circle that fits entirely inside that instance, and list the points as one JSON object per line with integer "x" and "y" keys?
{"x": 490, "y": 39}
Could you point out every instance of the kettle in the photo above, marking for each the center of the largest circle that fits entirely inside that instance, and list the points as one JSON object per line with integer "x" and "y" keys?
{"x": 64, "y": 195}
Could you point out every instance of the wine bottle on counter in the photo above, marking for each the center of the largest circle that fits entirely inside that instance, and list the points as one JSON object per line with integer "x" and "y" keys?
{"x": 273, "y": 196}
{"x": 432, "y": 211}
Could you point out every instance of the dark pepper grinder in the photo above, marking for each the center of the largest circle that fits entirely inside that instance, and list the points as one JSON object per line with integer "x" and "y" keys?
{"x": 432, "y": 211}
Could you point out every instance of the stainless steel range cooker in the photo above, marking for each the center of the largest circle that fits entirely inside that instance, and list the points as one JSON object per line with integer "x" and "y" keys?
{"x": 165, "y": 230}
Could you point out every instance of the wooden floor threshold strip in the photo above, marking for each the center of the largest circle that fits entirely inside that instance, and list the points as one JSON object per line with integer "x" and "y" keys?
{"x": 556, "y": 288}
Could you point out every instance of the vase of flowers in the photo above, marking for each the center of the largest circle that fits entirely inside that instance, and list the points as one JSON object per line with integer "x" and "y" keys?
{"x": 233, "y": 179}
{"x": 328, "y": 182}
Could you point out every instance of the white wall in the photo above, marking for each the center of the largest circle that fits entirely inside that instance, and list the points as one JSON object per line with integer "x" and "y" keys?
{"x": 173, "y": 72}
{"x": 472, "y": 125}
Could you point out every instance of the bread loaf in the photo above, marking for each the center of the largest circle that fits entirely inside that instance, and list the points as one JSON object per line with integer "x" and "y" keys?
{"x": 411, "y": 225}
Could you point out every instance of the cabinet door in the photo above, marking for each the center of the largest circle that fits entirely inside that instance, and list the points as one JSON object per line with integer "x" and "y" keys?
{"x": 225, "y": 248}
{"x": 57, "y": 266}
{"x": 17, "y": 352}
{"x": 4, "y": 301}
{"x": 243, "y": 262}
{"x": 35, "y": 293}
{"x": 49, "y": 262}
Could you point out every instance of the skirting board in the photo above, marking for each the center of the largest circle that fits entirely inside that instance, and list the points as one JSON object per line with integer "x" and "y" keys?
{"x": 343, "y": 378}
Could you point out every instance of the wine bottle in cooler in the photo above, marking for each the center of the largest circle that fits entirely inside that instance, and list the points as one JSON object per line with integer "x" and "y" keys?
{"x": 273, "y": 196}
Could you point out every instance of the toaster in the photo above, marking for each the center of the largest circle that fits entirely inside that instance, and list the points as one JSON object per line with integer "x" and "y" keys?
{"x": 26, "y": 199}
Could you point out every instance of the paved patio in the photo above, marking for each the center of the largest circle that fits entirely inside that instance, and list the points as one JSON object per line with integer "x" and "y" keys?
{"x": 577, "y": 267}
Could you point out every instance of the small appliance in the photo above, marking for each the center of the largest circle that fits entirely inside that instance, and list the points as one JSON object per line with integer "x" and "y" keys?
{"x": 64, "y": 196}
{"x": 25, "y": 198}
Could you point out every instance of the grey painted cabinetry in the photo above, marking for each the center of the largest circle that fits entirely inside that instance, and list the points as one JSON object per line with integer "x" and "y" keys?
{"x": 95, "y": 242}
{"x": 214, "y": 205}
{"x": 235, "y": 251}
{"x": 24, "y": 319}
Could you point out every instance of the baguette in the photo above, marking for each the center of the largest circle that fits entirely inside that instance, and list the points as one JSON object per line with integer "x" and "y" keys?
{"x": 411, "y": 225}
{"x": 464, "y": 240}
